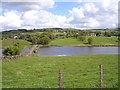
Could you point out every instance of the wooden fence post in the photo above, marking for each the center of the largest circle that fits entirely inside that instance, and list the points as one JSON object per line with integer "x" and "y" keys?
{"x": 101, "y": 76}
{"x": 60, "y": 80}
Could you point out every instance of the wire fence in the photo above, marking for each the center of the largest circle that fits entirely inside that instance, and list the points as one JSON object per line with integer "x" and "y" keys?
{"x": 60, "y": 77}
{"x": 10, "y": 57}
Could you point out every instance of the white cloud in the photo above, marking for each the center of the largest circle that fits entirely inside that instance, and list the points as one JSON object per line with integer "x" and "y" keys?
{"x": 105, "y": 3}
{"x": 10, "y": 20}
{"x": 0, "y": 9}
{"x": 28, "y": 5}
{"x": 32, "y": 19}
{"x": 77, "y": 12}
{"x": 91, "y": 8}
{"x": 42, "y": 19}
{"x": 95, "y": 15}
{"x": 93, "y": 23}
{"x": 34, "y": 15}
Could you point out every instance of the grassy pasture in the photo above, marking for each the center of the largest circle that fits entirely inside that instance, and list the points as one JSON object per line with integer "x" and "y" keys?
{"x": 42, "y": 72}
{"x": 10, "y": 42}
{"x": 75, "y": 42}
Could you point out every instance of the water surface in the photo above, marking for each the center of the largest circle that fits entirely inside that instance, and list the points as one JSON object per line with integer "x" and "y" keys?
{"x": 69, "y": 51}
{"x": 25, "y": 50}
{"x": 1, "y": 51}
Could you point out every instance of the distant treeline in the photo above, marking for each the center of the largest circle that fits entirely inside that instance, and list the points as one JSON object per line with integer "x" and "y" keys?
{"x": 52, "y": 30}
{"x": 68, "y": 31}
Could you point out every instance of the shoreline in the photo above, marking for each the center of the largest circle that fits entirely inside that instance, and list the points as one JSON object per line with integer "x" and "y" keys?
{"x": 75, "y": 46}
{"x": 81, "y": 46}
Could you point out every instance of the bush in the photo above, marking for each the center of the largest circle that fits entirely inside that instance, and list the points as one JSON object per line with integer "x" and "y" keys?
{"x": 44, "y": 40}
{"x": 50, "y": 35}
{"x": 107, "y": 34}
{"x": 82, "y": 38}
{"x": 118, "y": 38}
{"x": 34, "y": 39}
{"x": 90, "y": 40}
{"x": 12, "y": 50}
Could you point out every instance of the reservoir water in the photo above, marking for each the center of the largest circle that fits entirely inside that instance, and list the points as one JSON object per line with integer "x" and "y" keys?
{"x": 1, "y": 51}
{"x": 69, "y": 51}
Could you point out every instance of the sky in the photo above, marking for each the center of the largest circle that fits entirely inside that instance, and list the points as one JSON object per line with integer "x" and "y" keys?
{"x": 87, "y": 14}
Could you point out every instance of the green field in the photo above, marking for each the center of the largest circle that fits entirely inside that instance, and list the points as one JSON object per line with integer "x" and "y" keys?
{"x": 64, "y": 42}
{"x": 75, "y": 42}
{"x": 42, "y": 72}
{"x": 10, "y": 42}
{"x": 105, "y": 40}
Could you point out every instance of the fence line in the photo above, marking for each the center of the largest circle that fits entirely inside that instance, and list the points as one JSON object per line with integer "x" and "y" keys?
{"x": 60, "y": 80}
{"x": 101, "y": 76}
{"x": 10, "y": 57}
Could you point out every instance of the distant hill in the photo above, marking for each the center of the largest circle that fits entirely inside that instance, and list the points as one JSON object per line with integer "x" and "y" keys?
{"x": 46, "y": 29}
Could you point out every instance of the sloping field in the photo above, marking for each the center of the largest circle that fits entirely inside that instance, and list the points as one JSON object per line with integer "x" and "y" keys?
{"x": 10, "y": 42}
{"x": 78, "y": 71}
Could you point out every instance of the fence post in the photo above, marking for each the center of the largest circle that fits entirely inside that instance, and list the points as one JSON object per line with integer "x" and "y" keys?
{"x": 101, "y": 76}
{"x": 60, "y": 80}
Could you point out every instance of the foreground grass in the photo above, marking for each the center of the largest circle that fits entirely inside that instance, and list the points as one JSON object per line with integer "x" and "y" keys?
{"x": 10, "y": 42}
{"x": 78, "y": 71}
{"x": 75, "y": 42}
